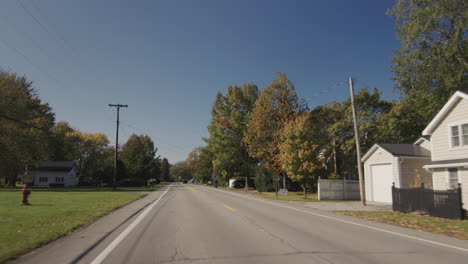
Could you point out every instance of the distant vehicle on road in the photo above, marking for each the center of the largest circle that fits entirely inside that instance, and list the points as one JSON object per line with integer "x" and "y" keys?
{"x": 184, "y": 181}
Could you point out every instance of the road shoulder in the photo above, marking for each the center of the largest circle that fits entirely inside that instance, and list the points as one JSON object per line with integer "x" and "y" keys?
{"x": 77, "y": 245}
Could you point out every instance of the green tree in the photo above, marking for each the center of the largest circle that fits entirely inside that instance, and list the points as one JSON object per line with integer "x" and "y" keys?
{"x": 21, "y": 145}
{"x": 200, "y": 163}
{"x": 230, "y": 115}
{"x": 91, "y": 151}
{"x": 139, "y": 157}
{"x": 334, "y": 132}
{"x": 300, "y": 156}
{"x": 431, "y": 63}
{"x": 165, "y": 174}
{"x": 276, "y": 104}
{"x": 64, "y": 142}
{"x": 180, "y": 171}
{"x": 263, "y": 178}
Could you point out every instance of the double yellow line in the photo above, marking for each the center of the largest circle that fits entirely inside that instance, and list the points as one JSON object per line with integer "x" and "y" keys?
{"x": 192, "y": 189}
{"x": 229, "y": 208}
{"x": 225, "y": 206}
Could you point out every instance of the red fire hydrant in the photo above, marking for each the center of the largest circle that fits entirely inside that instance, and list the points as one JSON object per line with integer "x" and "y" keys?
{"x": 26, "y": 193}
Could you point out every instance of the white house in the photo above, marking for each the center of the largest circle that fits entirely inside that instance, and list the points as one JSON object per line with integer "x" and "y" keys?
{"x": 402, "y": 164}
{"x": 53, "y": 173}
{"x": 449, "y": 146}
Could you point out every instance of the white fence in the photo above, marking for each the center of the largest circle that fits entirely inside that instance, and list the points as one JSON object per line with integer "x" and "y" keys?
{"x": 338, "y": 189}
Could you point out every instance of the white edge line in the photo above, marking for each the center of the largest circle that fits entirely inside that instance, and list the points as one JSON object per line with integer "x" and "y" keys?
{"x": 349, "y": 222}
{"x": 122, "y": 236}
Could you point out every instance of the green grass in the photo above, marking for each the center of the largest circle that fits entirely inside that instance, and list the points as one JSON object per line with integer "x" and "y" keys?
{"x": 292, "y": 196}
{"x": 87, "y": 189}
{"x": 448, "y": 227}
{"x": 51, "y": 215}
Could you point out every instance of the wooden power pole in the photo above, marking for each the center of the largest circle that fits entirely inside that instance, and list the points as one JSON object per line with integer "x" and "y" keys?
{"x": 116, "y": 142}
{"x": 358, "y": 147}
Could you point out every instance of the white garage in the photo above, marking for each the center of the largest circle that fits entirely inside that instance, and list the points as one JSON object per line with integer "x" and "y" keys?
{"x": 402, "y": 164}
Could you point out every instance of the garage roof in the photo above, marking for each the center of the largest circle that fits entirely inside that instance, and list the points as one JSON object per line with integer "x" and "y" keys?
{"x": 399, "y": 150}
{"x": 409, "y": 150}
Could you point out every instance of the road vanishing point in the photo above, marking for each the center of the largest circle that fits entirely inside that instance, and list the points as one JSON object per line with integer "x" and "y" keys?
{"x": 197, "y": 224}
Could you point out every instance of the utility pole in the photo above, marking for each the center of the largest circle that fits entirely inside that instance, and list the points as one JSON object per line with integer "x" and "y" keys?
{"x": 116, "y": 142}
{"x": 358, "y": 147}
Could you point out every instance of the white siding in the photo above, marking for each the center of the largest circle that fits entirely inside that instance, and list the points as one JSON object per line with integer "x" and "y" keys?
{"x": 412, "y": 168}
{"x": 379, "y": 156}
{"x": 439, "y": 179}
{"x": 440, "y": 139}
{"x": 440, "y": 182}
{"x": 426, "y": 144}
{"x": 70, "y": 179}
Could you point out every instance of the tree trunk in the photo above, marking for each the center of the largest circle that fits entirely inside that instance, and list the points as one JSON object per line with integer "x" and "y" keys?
{"x": 11, "y": 178}
{"x": 247, "y": 180}
{"x": 284, "y": 180}
{"x": 304, "y": 186}
{"x": 334, "y": 156}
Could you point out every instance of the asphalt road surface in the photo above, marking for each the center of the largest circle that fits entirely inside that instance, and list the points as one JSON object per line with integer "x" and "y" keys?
{"x": 197, "y": 224}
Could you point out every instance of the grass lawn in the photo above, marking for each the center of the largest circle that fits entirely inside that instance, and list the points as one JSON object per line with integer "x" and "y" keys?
{"x": 292, "y": 196}
{"x": 88, "y": 189}
{"x": 53, "y": 213}
{"x": 448, "y": 227}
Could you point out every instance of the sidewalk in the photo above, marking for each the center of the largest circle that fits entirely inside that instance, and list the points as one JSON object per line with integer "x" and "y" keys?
{"x": 328, "y": 206}
{"x": 344, "y": 206}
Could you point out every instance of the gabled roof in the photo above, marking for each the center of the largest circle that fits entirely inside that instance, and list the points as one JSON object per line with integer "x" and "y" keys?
{"x": 56, "y": 166}
{"x": 399, "y": 150}
{"x": 456, "y": 97}
{"x": 422, "y": 139}
{"x": 408, "y": 150}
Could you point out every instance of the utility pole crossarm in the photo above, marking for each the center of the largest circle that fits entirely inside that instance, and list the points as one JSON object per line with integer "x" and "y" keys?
{"x": 116, "y": 141}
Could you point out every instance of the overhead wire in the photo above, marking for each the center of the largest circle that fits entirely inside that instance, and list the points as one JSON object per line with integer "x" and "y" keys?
{"x": 326, "y": 90}
{"x": 40, "y": 23}
{"x": 25, "y": 35}
{"x": 28, "y": 60}
{"x": 25, "y": 123}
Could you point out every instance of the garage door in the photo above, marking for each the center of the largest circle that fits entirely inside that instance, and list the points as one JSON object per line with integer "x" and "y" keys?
{"x": 382, "y": 181}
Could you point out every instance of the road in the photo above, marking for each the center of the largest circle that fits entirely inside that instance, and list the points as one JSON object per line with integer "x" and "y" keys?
{"x": 197, "y": 224}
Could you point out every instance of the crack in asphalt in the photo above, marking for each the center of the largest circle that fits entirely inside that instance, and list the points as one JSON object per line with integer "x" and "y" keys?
{"x": 295, "y": 253}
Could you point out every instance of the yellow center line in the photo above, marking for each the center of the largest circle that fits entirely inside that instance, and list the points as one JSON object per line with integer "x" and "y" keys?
{"x": 193, "y": 189}
{"x": 229, "y": 208}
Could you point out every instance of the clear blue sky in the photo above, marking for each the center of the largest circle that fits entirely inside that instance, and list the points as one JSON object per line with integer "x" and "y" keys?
{"x": 167, "y": 59}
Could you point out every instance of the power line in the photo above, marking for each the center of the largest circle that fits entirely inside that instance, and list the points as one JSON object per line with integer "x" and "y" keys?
{"x": 328, "y": 89}
{"x": 39, "y": 22}
{"x": 28, "y": 37}
{"x": 25, "y": 123}
{"x": 56, "y": 33}
{"x": 26, "y": 58}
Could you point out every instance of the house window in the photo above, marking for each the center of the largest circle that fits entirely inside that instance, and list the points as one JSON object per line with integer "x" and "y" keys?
{"x": 453, "y": 178}
{"x": 465, "y": 134}
{"x": 43, "y": 179}
{"x": 455, "y": 136}
{"x": 58, "y": 179}
{"x": 459, "y": 135}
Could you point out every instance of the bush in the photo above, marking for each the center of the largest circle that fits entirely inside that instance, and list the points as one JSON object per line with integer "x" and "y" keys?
{"x": 263, "y": 179}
